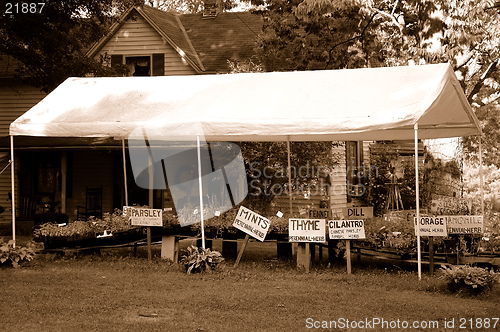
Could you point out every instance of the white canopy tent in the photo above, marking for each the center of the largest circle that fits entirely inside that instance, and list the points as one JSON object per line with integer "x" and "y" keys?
{"x": 395, "y": 103}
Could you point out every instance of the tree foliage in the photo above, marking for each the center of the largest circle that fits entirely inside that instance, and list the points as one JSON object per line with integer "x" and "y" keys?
{"x": 333, "y": 34}
{"x": 471, "y": 44}
{"x": 51, "y": 43}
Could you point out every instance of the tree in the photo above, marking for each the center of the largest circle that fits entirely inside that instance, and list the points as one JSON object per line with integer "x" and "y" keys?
{"x": 196, "y": 6}
{"x": 333, "y": 34}
{"x": 51, "y": 43}
{"x": 470, "y": 43}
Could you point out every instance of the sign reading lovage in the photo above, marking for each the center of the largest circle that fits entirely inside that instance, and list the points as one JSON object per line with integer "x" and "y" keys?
{"x": 306, "y": 230}
{"x": 251, "y": 223}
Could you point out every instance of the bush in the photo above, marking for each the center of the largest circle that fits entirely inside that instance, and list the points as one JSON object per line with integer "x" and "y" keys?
{"x": 15, "y": 256}
{"x": 114, "y": 222}
{"x": 201, "y": 260}
{"x": 58, "y": 218}
{"x": 474, "y": 280}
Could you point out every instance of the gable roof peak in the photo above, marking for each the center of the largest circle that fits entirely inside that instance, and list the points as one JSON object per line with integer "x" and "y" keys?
{"x": 206, "y": 45}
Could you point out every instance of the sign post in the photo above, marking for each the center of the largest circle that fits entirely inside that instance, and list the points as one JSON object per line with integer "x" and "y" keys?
{"x": 144, "y": 217}
{"x": 431, "y": 226}
{"x": 305, "y": 231}
{"x": 347, "y": 230}
{"x": 252, "y": 224}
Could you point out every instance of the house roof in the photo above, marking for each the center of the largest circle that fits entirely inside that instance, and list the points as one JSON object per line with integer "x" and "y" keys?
{"x": 206, "y": 44}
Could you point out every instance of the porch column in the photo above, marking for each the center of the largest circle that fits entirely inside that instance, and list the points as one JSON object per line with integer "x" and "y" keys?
{"x": 64, "y": 174}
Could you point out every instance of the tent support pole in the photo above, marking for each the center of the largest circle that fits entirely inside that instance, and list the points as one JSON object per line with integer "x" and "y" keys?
{"x": 12, "y": 180}
{"x": 417, "y": 204}
{"x": 289, "y": 175}
{"x": 151, "y": 169}
{"x": 125, "y": 172}
{"x": 201, "y": 192}
{"x": 481, "y": 175}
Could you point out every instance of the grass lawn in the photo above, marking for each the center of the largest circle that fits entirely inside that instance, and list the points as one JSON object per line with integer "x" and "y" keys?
{"x": 118, "y": 292}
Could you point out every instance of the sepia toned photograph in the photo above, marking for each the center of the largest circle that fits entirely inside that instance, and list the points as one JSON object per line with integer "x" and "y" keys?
{"x": 249, "y": 165}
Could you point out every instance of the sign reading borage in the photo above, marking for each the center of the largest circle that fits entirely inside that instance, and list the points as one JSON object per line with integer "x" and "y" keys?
{"x": 251, "y": 223}
{"x": 431, "y": 226}
{"x": 346, "y": 229}
{"x": 306, "y": 230}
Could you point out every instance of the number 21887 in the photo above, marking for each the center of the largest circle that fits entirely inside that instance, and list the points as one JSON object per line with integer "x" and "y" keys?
{"x": 24, "y": 7}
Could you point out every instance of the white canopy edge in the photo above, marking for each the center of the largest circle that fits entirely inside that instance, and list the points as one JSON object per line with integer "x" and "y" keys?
{"x": 350, "y": 104}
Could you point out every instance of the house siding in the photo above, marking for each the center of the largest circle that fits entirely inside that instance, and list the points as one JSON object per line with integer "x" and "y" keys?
{"x": 15, "y": 99}
{"x": 137, "y": 38}
{"x": 338, "y": 188}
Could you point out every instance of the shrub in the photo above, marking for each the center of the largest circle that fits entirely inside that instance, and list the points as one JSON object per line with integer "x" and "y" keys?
{"x": 15, "y": 256}
{"x": 474, "y": 280}
{"x": 201, "y": 260}
{"x": 111, "y": 222}
{"x": 58, "y": 218}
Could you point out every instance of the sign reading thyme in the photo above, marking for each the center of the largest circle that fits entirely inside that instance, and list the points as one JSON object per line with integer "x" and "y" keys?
{"x": 306, "y": 230}
{"x": 251, "y": 223}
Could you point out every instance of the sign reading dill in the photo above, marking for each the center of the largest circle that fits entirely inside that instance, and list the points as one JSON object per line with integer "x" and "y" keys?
{"x": 251, "y": 223}
{"x": 306, "y": 230}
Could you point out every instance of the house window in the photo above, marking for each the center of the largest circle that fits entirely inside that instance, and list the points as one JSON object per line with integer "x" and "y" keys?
{"x": 354, "y": 169}
{"x": 148, "y": 65}
{"x": 138, "y": 65}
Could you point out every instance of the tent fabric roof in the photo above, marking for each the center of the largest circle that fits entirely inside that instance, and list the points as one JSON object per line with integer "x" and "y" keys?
{"x": 349, "y": 104}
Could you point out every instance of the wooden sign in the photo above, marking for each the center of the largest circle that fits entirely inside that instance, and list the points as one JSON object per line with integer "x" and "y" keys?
{"x": 431, "y": 226}
{"x": 251, "y": 223}
{"x": 144, "y": 216}
{"x": 451, "y": 205}
{"x": 346, "y": 229}
{"x": 358, "y": 212}
{"x": 465, "y": 224}
{"x": 320, "y": 213}
{"x": 306, "y": 230}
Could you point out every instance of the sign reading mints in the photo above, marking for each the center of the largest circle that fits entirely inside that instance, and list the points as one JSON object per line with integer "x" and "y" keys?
{"x": 431, "y": 226}
{"x": 346, "y": 229}
{"x": 144, "y": 216}
{"x": 306, "y": 230}
{"x": 251, "y": 223}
